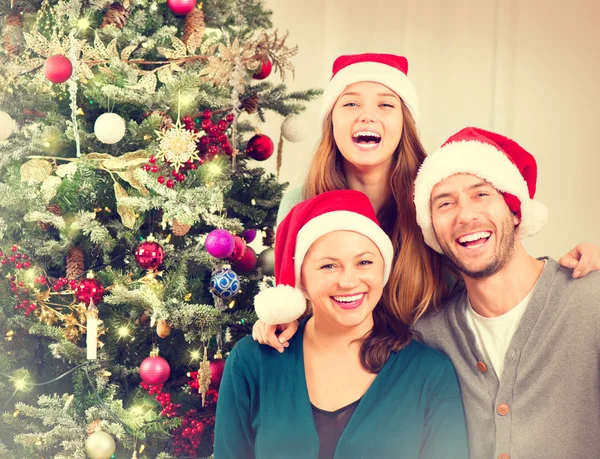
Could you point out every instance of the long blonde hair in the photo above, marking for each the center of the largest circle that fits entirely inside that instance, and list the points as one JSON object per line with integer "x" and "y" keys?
{"x": 417, "y": 278}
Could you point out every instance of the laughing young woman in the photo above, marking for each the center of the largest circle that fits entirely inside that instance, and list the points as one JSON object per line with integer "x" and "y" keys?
{"x": 370, "y": 143}
{"x": 352, "y": 384}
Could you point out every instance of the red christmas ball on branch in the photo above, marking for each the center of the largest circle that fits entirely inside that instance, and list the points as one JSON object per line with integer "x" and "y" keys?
{"x": 58, "y": 68}
{"x": 154, "y": 370}
{"x": 264, "y": 70}
{"x": 216, "y": 367}
{"x": 260, "y": 147}
{"x": 239, "y": 248}
{"x": 247, "y": 262}
{"x": 149, "y": 254}
{"x": 89, "y": 290}
{"x": 181, "y": 7}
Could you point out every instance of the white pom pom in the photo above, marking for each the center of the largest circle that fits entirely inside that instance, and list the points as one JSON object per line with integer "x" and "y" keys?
{"x": 7, "y": 126}
{"x": 534, "y": 216}
{"x": 294, "y": 128}
{"x": 279, "y": 305}
{"x": 109, "y": 128}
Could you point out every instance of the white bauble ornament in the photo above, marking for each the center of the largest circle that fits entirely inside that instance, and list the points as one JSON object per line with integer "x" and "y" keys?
{"x": 100, "y": 445}
{"x": 109, "y": 128}
{"x": 7, "y": 125}
{"x": 294, "y": 128}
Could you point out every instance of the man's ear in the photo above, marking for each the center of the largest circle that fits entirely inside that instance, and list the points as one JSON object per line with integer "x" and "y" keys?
{"x": 516, "y": 219}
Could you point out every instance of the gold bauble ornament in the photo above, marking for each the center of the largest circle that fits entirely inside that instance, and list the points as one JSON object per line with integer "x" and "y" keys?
{"x": 100, "y": 445}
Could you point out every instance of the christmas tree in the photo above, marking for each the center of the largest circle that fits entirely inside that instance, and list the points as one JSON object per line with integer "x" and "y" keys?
{"x": 130, "y": 196}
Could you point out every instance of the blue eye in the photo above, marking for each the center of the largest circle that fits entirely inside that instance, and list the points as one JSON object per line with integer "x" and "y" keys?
{"x": 328, "y": 266}
{"x": 388, "y": 105}
{"x": 350, "y": 104}
{"x": 365, "y": 262}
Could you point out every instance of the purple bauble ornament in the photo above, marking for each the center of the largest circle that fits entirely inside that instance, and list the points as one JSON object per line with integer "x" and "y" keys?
{"x": 220, "y": 243}
{"x": 249, "y": 235}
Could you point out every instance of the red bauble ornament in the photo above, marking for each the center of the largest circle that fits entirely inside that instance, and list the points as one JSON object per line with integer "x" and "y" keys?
{"x": 239, "y": 248}
{"x": 264, "y": 71}
{"x": 149, "y": 255}
{"x": 155, "y": 370}
{"x": 260, "y": 147}
{"x": 89, "y": 290}
{"x": 216, "y": 371}
{"x": 247, "y": 262}
{"x": 58, "y": 68}
{"x": 181, "y": 7}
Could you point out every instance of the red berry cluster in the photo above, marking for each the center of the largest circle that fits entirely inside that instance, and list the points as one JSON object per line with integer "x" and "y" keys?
{"x": 19, "y": 289}
{"x": 177, "y": 174}
{"x": 18, "y": 259}
{"x": 211, "y": 395}
{"x": 164, "y": 398}
{"x": 187, "y": 438}
{"x": 63, "y": 282}
{"x": 214, "y": 139}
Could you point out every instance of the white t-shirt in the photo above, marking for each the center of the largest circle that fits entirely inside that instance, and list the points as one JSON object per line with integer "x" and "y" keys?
{"x": 494, "y": 334}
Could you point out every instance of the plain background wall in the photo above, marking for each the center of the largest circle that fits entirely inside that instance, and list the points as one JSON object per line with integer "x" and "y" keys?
{"x": 526, "y": 68}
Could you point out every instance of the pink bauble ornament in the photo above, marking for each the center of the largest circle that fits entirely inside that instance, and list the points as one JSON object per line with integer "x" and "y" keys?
{"x": 249, "y": 235}
{"x": 220, "y": 243}
{"x": 58, "y": 68}
{"x": 181, "y": 7}
{"x": 216, "y": 367}
{"x": 88, "y": 291}
{"x": 155, "y": 370}
{"x": 247, "y": 262}
{"x": 239, "y": 248}
{"x": 264, "y": 70}
{"x": 149, "y": 255}
{"x": 260, "y": 147}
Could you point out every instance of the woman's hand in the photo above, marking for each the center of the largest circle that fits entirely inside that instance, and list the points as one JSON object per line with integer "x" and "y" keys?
{"x": 265, "y": 334}
{"x": 583, "y": 259}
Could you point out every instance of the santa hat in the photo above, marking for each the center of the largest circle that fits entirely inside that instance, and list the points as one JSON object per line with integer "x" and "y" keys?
{"x": 341, "y": 210}
{"x": 387, "y": 69}
{"x": 491, "y": 157}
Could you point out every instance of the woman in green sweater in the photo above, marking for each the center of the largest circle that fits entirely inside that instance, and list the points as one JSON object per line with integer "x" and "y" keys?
{"x": 352, "y": 384}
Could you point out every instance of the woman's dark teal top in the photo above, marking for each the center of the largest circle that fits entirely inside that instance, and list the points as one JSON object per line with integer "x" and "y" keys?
{"x": 413, "y": 408}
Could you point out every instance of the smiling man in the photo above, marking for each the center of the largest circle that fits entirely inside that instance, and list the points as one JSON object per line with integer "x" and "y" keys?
{"x": 524, "y": 337}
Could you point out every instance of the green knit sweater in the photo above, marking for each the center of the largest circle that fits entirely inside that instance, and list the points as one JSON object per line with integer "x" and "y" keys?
{"x": 413, "y": 408}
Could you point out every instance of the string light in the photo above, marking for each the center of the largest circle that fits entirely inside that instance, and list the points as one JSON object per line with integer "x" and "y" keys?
{"x": 195, "y": 355}
{"x": 83, "y": 23}
{"x": 123, "y": 331}
{"x": 20, "y": 384}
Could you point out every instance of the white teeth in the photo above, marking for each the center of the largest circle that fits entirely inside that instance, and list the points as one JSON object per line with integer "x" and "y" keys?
{"x": 364, "y": 133}
{"x": 348, "y": 299}
{"x": 474, "y": 236}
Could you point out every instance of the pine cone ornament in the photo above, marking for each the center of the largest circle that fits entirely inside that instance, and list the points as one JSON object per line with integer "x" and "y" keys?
{"x": 249, "y": 102}
{"x": 163, "y": 329}
{"x": 93, "y": 426}
{"x": 55, "y": 209}
{"x": 269, "y": 237}
{"x": 117, "y": 15}
{"x": 194, "y": 28}
{"x": 13, "y": 32}
{"x": 180, "y": 229}
{"x": 166, "y": 123}
{"x": 75, "y": 266}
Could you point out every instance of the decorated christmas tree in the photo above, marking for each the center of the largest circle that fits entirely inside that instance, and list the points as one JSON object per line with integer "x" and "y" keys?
{"x": 130, "y": 198}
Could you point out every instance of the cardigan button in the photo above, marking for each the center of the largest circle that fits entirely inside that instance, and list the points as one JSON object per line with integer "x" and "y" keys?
{"x": 503, "y": 456}
{"x": 481, "y": 367}
{"x": 503, "y": 409}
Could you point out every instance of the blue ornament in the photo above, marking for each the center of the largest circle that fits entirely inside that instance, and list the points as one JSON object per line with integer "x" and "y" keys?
{"x": 225, "y": 283}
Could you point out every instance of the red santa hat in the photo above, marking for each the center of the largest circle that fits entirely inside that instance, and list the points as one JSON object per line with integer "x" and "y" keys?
{"x": 341, "y": 210}
{"x": 388, "y": 69}
{"x": 492, "y": 157}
